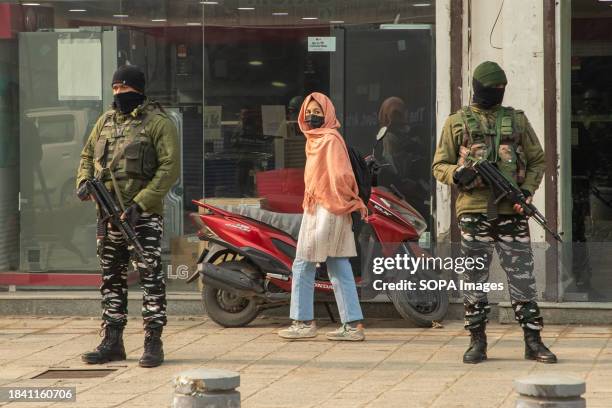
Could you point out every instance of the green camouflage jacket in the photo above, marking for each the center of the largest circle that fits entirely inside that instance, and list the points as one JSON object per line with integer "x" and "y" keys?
{"x": 447, "y": 158}
{"x": 149, "y": 164}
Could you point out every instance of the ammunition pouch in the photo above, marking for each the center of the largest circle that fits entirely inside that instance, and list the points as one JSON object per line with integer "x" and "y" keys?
{"x": 133, "y": 157}
{"x": 140, "y": 160}
{"x": 500, "y": 144}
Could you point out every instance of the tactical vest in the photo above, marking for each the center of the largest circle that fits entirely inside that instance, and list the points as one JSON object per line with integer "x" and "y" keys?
{"x": 500, "y": 144}
{"x": 124, "y": 154}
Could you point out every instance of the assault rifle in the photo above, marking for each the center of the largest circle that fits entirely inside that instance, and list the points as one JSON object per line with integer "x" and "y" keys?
{"x": 502, "y": 188}
{"x": 110, "y": 212}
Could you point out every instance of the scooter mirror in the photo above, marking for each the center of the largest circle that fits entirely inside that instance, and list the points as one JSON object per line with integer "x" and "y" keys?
{"x": 381, "y": 133}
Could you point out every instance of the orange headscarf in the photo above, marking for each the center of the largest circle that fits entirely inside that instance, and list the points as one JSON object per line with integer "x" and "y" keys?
{"x": 391, "y": 111}
{"x": 328, "y": 175}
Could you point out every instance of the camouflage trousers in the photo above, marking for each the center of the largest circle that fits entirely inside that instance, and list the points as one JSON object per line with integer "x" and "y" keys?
{"x": 114, "y": 256}
{"x": 509, "y": 235}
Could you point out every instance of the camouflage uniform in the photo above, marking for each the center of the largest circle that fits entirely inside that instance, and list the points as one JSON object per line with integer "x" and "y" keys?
{"x": 140, "y": 178}
{"x": 521, "y": 157}
{"x": 509, "y": 235}
{"x": 114, "y": 256}
{"x": 501, "y": 135}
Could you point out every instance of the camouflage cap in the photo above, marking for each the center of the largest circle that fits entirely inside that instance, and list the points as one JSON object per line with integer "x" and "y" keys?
{"x": 489, "y": 74}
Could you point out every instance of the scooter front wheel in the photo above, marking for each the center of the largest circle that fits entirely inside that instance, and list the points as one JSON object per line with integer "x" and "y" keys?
{"x": 228, "y": 309}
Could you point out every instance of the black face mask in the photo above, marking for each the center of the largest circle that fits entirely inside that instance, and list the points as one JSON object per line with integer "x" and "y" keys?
{"x": 314, "y": 121}
{"x": 128, "y": 101}
{"x": 487, "y": 97}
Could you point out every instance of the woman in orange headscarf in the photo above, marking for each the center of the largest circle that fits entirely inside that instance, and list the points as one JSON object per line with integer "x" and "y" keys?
{"x": 392, "y": 114}
{"x": 326, "y": 235}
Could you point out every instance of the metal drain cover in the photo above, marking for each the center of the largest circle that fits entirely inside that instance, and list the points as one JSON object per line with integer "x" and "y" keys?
{"x": 63, "y": 373}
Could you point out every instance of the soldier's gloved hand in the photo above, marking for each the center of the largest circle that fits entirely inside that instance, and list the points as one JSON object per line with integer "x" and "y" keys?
{"x": 464, "y": 176}
{"x": 528, "y": 199}
{"x": 132, "y": 214}
{"x": 83, "y": 192}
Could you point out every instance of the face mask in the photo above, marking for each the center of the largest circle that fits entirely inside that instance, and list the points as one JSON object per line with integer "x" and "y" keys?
{"x": 128, "y": 101}
{"x": 314, "y": 121}
{"x": 487, "y": 97}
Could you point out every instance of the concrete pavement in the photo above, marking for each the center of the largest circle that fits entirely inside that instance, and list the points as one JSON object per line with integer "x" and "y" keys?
{"x": 397, "y": 366}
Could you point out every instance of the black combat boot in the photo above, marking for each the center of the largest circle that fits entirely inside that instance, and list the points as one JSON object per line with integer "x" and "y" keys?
{"x": 110, "y": 349}
{"x": 477, "y": 351}
{"x": 535, "y": 349}
{"x": 153, "y": 352}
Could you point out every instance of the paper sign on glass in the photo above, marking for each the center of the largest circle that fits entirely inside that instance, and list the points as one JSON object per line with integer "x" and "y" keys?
{"x": 273, "y": 117}
{"x": 212, "y": 122}
{"x": 321, "y": 44}
{"x": 79, "y": 69}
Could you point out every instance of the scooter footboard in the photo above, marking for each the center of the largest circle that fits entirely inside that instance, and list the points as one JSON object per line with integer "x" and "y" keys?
{"x": 231, "y": 280}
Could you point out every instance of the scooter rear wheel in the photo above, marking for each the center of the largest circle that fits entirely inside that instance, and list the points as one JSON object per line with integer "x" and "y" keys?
{"x": 421, "y": 307}
{"x": 228, "y": 309}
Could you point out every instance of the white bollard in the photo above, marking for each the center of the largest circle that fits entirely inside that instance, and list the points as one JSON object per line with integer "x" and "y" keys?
{"x": 206, "y": 388}
{"x": 550, "y": 391}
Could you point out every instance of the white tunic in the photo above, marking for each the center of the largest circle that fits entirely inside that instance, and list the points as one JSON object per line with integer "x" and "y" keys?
{"x": 324, "y": 234}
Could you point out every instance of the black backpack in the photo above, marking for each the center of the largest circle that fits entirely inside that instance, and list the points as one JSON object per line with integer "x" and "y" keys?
{"x": 362, "y": 174}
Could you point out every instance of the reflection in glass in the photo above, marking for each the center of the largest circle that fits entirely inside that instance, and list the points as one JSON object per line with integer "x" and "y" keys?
{"x": 591, "y": 155}
{"x": 233, "y": 81}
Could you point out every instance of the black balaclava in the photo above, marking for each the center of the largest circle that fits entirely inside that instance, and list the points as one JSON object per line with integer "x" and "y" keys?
{"x": 487, "y": 97}
{"x": 132, "y": 76}
{"x": 489, "y": 83}
{"x": 126, "y": 102}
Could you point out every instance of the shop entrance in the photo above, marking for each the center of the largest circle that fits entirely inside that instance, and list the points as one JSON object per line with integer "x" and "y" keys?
{"x": 591, "y": 150}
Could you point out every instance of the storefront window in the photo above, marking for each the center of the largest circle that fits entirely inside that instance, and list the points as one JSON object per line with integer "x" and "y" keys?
{"x": 56, "y": 63}
{"x": 262, "y": 63}
{"x": 232, "y": 75}
{"x": 591, "y": 152}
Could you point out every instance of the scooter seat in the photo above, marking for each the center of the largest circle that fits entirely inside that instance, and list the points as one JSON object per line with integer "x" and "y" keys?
{"x": 288, "y": 223}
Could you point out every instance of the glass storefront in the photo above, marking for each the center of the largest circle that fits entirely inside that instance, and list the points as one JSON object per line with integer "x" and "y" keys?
{"x": 591, "y": 152}
{"x": 232, "y": 74}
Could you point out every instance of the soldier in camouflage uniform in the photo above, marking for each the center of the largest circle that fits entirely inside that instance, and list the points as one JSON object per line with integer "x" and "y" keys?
{"x": 133, "y": 149}
{"x": 503, "y": 135}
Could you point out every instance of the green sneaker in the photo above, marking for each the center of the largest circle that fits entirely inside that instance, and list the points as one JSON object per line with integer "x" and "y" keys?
{"x": 346, "y": 332}
{"x": 299, "y": 330}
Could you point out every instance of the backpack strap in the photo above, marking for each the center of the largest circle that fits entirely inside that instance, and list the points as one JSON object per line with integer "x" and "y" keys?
{"x": 515, "y": 125}
{"x": 499, "y": 127}
{"x": 508, "y": 121}
{"x": 471, "y": 125}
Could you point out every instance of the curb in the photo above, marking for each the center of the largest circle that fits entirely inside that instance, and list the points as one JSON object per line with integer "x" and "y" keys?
{"x": 87, "y": 304}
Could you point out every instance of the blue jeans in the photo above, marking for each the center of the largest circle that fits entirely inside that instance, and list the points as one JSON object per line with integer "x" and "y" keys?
{"x": 345, "y": 291}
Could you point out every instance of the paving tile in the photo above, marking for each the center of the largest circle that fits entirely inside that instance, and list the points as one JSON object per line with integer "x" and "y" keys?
{"x": 397, "y": 366}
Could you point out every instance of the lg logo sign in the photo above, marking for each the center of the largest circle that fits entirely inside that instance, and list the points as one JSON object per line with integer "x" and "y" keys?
{"x": 180, "y": 272}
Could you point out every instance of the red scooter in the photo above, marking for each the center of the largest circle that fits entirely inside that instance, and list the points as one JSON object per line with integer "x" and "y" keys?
{"x": 247, "y": 265}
